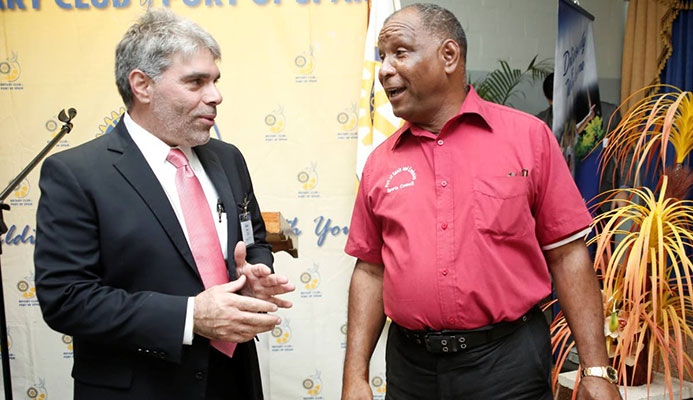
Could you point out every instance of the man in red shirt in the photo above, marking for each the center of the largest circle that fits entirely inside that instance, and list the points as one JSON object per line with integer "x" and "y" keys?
{"x": 461, "y": 219}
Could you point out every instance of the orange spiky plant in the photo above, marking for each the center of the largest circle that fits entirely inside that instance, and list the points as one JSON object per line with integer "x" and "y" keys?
{"x": 646, "y": 274}
{"x": 651, "y": 126}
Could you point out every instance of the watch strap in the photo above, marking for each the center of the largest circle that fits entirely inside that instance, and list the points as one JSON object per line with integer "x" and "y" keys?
{"x": 605, "y": 372}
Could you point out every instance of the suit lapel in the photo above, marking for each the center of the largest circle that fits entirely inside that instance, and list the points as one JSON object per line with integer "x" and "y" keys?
{"x": 212, "y": 165}
{"x": 134, "y": 168}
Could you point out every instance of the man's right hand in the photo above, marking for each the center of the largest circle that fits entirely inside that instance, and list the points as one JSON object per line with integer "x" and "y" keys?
{"x": 357, "y": 389}
{"x": 221, "y": 314}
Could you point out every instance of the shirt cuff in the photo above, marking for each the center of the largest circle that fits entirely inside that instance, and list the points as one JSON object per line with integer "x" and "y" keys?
{"x": 567, "y": 240}
{"x": 188, "y": 330}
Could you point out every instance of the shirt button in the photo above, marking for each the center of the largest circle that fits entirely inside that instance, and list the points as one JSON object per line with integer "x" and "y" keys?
{"x": 451, "y": 320}
{"x": 440, "y": 142}
{"x": 444, "y": 226}
{"x": 445, "y": 272}
{"x": 444, "y": 183}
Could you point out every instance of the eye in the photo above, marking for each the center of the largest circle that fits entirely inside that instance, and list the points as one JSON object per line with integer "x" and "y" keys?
{"x": 400, "y": 52}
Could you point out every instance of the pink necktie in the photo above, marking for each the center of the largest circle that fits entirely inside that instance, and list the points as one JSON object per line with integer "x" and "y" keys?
{"x": 204, "y": 241}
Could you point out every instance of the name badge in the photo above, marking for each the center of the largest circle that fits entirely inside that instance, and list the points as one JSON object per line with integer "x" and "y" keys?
{"x": 247, "y": 229}
{"x": 246, "y": 223}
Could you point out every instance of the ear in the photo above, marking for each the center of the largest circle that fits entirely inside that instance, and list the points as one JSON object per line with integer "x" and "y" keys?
{"x": 141, "y": 86}
{"x": 451, "y": 55}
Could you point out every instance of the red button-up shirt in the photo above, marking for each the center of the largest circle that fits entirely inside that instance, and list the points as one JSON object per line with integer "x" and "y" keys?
{"x": 459, "y": 219}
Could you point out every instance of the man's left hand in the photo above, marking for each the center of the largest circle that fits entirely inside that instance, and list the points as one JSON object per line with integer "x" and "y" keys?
{"x": 261, "y": 282}
{"x": 595, "y": 388}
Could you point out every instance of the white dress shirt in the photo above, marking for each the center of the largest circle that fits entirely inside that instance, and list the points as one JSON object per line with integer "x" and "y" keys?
{"x": 155, "y": 152}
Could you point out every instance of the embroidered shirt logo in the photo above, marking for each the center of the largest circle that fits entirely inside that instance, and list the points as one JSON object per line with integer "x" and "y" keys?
{"x": 397, "y": 180}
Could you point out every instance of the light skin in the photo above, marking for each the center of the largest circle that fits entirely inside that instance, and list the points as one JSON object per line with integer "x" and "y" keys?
{"x": 424, "y": 77}
{"x": 179, "y": 107}
{"x": 223, "y": 314}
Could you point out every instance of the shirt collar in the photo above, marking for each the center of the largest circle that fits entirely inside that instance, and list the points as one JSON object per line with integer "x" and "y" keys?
{"x": 472, "y": 104}
{"x": 154, "y": 149}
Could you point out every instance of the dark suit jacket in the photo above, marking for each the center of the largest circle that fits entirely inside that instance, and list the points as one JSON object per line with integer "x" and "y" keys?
{"x": 113, "y": 268}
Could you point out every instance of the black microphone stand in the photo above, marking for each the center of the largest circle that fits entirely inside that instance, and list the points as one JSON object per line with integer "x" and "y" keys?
{"x": 67, "y": 127}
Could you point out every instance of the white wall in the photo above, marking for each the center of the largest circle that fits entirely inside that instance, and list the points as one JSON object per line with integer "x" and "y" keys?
{"x": 517, "y": 30}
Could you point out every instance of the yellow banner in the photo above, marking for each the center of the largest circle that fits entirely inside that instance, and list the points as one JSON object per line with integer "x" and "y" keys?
{"x": 290, "y": 78}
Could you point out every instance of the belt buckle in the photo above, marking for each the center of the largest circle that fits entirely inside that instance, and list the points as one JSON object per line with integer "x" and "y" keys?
{"x": 445, "y": 342}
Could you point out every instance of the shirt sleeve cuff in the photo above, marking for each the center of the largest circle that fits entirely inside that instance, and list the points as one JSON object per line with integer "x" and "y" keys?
{"x": 567, "y": 240}
{"x": 188, "y": 329}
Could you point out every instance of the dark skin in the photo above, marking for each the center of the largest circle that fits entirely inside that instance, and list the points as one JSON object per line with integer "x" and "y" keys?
{"x": 422, "y": 75}
{"x": 424, "y": 78}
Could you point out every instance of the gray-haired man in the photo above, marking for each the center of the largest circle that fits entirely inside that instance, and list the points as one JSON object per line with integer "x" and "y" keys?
{"x": 150, "y": 245}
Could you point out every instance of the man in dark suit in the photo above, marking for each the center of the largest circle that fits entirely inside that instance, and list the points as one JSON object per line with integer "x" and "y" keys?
{"x": 135, "y": 231}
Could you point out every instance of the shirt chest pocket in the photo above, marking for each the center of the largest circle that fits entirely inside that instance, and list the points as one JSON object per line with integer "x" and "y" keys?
{"x": 501, "y": 205}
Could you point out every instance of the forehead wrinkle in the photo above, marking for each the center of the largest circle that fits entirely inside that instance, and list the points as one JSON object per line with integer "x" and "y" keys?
{"x": 397, "y": 28}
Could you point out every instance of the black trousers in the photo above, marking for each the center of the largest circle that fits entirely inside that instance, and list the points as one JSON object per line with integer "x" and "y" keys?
{"x": 227, "y": 379}
{"x": 515, "y": 367}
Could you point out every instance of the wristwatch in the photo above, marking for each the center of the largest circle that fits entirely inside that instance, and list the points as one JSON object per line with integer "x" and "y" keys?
{"x": 608, "y": 373}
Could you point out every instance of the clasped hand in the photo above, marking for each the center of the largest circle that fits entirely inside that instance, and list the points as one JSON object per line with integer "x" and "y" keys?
{"x": 237, "y": 311}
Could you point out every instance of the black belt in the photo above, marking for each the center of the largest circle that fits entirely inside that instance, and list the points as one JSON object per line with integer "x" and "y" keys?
{"x": 449, "y": 341}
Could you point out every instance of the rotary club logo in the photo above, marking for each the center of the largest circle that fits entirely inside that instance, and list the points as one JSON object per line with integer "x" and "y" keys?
{"x": 347, "y": 121}
{"x": 378, "y": 386}
{"x": 308, "y": 182}
{"x": 27, "y": 291}
{"x": 110, "y": 121}
{"x": 53, "y": 127}
{"x": 276, "y": 122}
{"x": 310, "y": 279}
{"x": 37, "y": 391}
{"x": 10, "y": 71}
{"x": 281, "y": 337}
{"x": 20, "y": 195}
{"x": 343, "y": 331}
{"x": 305, "y": 62}
{"x": 305, "y": 66}
{"x": 22, "y": 189}
{"x": 10, "y": 342}
{"x": 313, "y": 386}
{"x": 67, "y": 342}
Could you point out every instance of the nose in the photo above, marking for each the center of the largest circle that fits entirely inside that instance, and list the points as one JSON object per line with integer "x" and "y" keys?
{"x": 213, "y": 95}
{"x": 386, "y": 70}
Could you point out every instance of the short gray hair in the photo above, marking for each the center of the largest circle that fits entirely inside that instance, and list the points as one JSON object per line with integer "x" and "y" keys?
{"x": 441, "y": 23}
{"x": 152, "y": 41}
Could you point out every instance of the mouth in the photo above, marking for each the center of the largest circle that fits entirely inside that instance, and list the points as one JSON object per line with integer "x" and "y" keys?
{"x": 394, "y": 93}
{"x": 207, "y": 118}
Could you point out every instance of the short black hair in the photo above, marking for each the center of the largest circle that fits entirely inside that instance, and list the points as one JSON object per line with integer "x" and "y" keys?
{"x": 548, "y": 86}
{"x": 440, "y": 22}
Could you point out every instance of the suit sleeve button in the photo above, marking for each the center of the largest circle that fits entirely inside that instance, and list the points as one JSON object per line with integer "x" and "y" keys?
{"x": 200, "y": 375}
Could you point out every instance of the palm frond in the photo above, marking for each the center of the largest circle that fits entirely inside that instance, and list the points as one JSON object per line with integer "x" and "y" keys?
{"x": 501, "y": 84}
